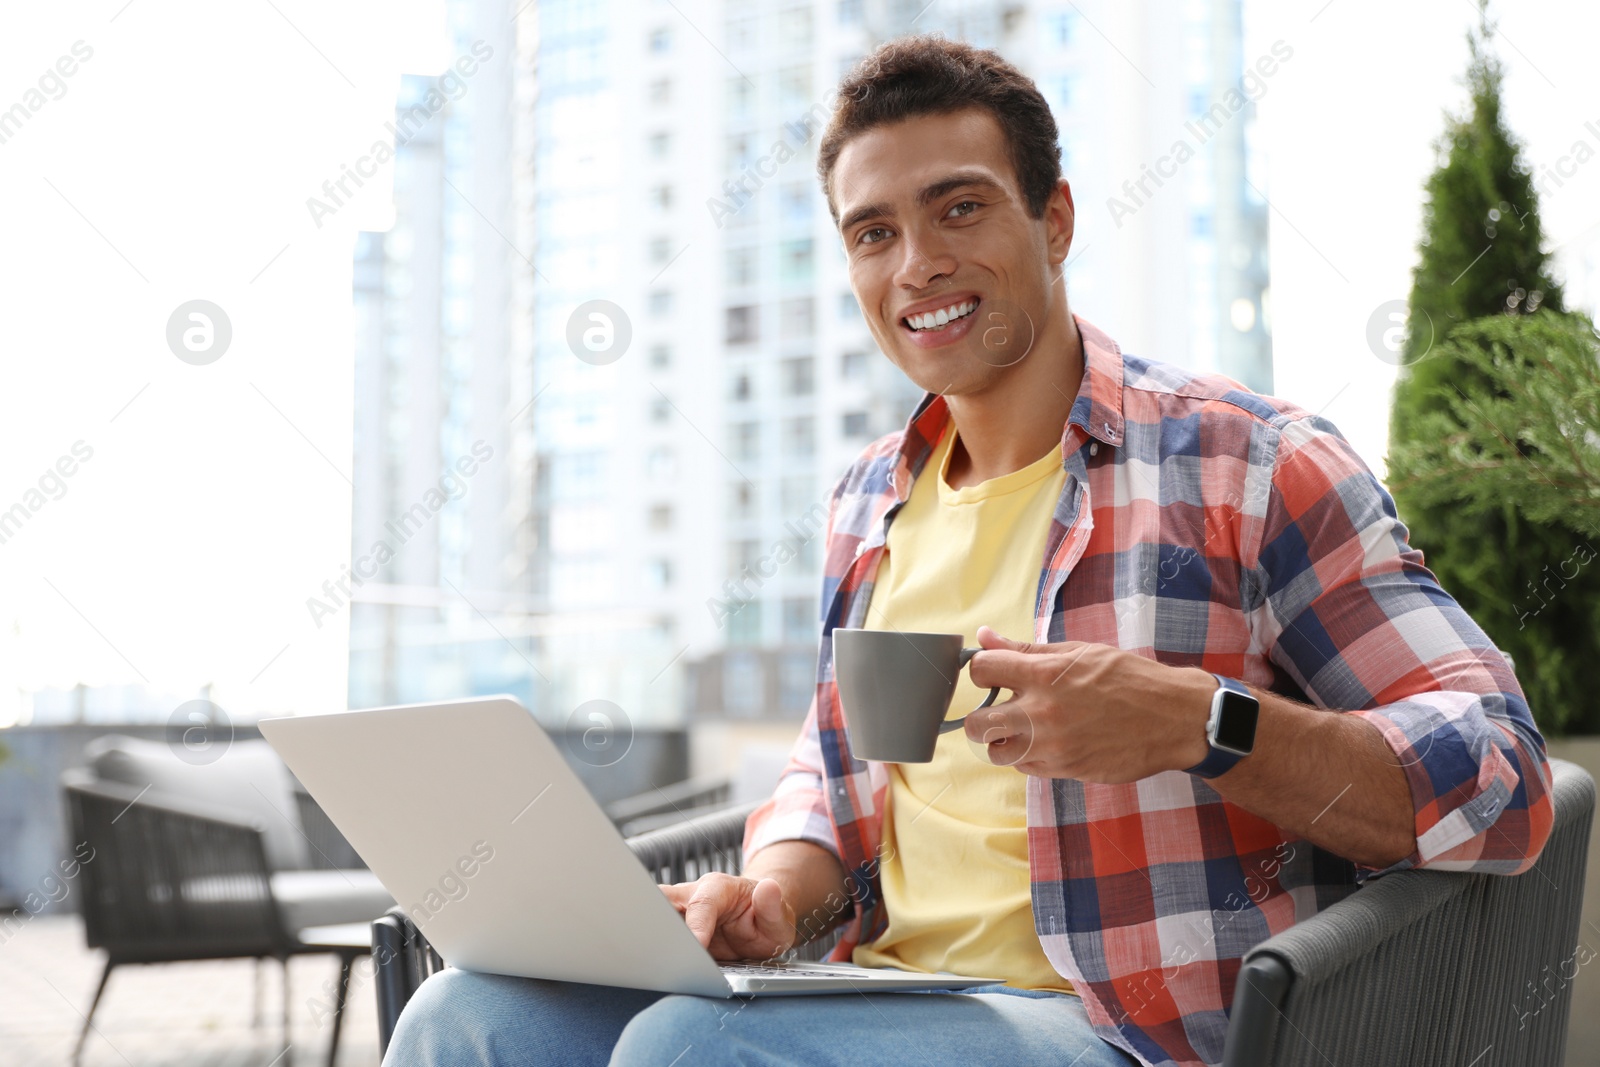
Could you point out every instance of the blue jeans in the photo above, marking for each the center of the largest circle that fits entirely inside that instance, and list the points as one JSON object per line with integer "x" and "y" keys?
{"x": 458, "y": 1018}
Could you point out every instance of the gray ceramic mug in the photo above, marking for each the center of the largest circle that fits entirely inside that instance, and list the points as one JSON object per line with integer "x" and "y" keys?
{"x": 895, "y": 690}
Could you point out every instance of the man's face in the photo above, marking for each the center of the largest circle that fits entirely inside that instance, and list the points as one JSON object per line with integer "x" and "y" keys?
{"x": 934, "y": 222}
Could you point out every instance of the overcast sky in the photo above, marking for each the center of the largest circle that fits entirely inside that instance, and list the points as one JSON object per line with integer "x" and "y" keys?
{"x": 174, "y": 164}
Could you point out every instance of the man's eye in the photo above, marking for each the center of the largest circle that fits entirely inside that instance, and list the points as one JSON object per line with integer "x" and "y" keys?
{"x": 867, "y": 238}
{"x": 956, "y": 210}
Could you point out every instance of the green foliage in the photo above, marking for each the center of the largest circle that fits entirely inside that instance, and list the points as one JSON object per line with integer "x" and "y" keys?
{"x": 1525, "y": 431}
{"x": 1503, "y": 553}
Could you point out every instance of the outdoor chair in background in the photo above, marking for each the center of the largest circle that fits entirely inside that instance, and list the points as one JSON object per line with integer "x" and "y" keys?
{"x": 1418, "y": 967}
{"x": 210, "y": 861}
{"x": 755, "y": 776}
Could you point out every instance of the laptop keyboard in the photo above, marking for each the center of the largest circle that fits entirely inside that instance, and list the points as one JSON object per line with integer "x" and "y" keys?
{"x": 777, "y": 967}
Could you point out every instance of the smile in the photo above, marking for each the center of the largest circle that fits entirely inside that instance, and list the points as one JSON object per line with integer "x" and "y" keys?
{"x": 938, "y": 320}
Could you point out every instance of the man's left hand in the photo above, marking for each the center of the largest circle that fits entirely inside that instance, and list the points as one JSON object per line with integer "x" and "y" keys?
{"x": 1087, "y": 711}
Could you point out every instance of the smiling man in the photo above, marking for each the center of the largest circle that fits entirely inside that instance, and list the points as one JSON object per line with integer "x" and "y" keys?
{"x": 1236, "y": 692}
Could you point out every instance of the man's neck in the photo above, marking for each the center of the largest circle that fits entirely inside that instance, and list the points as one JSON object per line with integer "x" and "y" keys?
{"x": 1020, "y": 417}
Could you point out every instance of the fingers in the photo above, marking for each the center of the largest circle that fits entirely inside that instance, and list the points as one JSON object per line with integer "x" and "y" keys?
{"x": 712, "y": 898}
{"x": 995, "y": 724}
{"x": 1000, "y": 667}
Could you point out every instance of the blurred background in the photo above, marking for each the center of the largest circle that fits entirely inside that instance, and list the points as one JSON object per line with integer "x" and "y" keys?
{"x": 372, "y": 353}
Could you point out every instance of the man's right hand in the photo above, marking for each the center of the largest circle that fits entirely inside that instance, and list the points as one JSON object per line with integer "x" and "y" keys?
{"x": 735, "y": 918}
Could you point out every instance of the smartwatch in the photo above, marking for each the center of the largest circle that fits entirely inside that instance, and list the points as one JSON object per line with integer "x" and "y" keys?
{"x": 1231, "y": 729}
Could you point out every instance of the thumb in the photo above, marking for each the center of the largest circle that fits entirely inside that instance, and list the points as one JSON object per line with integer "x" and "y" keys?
{"x": 768, "y": 910}
{"x": 987, "y": 638}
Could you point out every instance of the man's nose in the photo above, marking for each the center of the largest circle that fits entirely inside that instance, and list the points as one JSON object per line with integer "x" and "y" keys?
{"x": 923, "y": 259}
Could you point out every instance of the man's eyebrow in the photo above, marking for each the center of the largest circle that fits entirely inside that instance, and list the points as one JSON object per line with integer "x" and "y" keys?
{"x": 925, "y": 195}
{"x": 929, "y": 193}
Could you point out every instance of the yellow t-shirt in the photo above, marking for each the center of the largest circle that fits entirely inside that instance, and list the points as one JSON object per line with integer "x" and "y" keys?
{"x": 955, "y": 877}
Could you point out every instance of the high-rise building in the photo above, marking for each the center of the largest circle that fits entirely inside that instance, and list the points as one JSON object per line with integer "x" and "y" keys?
{"x": 438, "y": 605}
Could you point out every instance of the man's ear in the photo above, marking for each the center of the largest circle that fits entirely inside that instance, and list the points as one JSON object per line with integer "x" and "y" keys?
{"x": 1060, "y": 216}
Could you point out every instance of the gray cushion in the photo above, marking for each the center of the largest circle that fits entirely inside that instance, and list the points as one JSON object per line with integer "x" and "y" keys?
{"x": 247, "y": 778}
{"x": 325, "y": 898}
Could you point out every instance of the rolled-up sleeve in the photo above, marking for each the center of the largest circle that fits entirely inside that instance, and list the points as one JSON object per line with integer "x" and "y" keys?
{"x": 798, "y": 807}
{"x": 1349, "y": 611}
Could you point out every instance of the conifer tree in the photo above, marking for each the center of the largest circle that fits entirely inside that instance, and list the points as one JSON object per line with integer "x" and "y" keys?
{"x": 1481, "y": 256}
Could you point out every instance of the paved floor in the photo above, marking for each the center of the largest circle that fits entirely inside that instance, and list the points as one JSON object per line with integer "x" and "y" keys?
{"x": 171, "y": 1014}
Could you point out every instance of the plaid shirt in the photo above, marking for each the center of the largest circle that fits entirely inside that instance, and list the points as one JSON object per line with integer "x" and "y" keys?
{"x": 1201, "y": 525}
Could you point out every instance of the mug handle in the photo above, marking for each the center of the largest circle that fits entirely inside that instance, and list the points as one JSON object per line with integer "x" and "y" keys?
{"x": 955, "y": 724}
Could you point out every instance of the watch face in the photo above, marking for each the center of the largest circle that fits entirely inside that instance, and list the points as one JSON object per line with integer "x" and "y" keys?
{"x": 1236, "y": 723}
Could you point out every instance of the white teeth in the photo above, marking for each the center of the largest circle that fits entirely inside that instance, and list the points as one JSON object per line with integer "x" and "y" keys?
{"x": 933, "y": 320}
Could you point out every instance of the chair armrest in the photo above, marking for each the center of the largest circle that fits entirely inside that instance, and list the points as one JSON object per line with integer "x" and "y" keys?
{"x": 1426, "y": 966}
{"x": 166, "y": 880}
{"x": 669, "y": 800}
{"x": 686, "y": 850}
{"x": 126, "y": 796}
{"x": 402, "y": 960}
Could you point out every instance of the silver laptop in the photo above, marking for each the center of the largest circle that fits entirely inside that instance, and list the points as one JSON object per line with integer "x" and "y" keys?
{"x": 472, "y": 820}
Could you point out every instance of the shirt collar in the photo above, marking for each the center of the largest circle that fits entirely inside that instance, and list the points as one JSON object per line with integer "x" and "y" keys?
{"x": 1096, "y": 411}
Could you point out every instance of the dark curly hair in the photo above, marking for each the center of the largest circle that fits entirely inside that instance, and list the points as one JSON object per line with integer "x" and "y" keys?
{"x": 927, "y": 74}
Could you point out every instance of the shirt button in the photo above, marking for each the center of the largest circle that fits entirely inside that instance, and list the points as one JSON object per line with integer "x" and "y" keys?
{"x": 1094, "y": 448}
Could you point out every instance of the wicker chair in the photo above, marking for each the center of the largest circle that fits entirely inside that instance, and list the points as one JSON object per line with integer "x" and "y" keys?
{"x": 167, "y": 877}
{"x": 1418, "y": 967}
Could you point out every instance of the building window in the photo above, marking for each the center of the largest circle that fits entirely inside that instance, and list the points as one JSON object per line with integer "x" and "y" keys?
{"x": 794, "y": 496}
{"x": 661, "y": 40}
{"x": 661, "y": 197}
{"x": 660, "y": 144}
{"x": 660, "y": 250}
{"x": 661, "y": 465}
{"x": 741, "y": 266}
{"x": 853, "y": 365}
{"x": 661, "y": 303}
{"x": 741, "y": 325}
{"x": 661, "y": 355}
{"x": 661, "y": 517}
{"x": 747, "y": 441}
{"x": 743, "y": 556}
{"x": 741, "y": 33}
{"x": 794, "y": 88}
{"x": 739, "y": 386}
{"x": 741, "y": 671}
{"x": 661, "y": 91}
{"x": 849, "y": 309}
{"x": 799, "y": 376}
{"x": 800, "y": 625}
{"x": 797, "y": 202}
{"x": 795, "y": 258}
{"x": 741, "y": 97}
{"x": 849, "y": 12}
{"x": 741, "y": 500}
{"x": 1064, "y": 93}
{"x": 658, "y": 573}
{"x": 741, "y": 152}
{"x": 660, "y": 409}
{"x": 800, "y": 436}
{"x": 794, "y": 28}
{"x": 854, "y": 424}
{"x": 797, "y": 680}
{"x": 797, "y": 316}
{"x": 1061, "y": 27}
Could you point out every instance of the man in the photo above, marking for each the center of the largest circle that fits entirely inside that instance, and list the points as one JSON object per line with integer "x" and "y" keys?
{"x": 1144, "y": 538}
